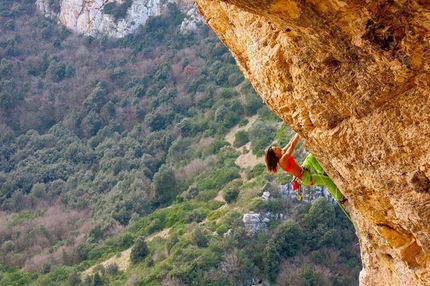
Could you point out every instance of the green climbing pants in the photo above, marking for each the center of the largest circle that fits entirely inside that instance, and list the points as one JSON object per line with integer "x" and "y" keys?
{"x": 318, "y": 179}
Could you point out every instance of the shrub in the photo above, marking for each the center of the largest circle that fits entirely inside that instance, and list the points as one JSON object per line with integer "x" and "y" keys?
{"x": 195, "y": 216}
{"x": 198, "y": 238}
{"x": 253, "y": 103}
{"x": 271, "y": 261}
{"x": 99, "y": 268}
{"x": 108, "y": 7}
{"x": 216, "y": 214}
{"x": 213, "y": 205}
{"x": 206, "y": 196}
{"x": 220, "y": 113}
{"x": 8, "y": 246}
{"x": 321, "y": 212}
{"x": 74, "y": 279}
{"x": 288, "y": 237}
{"x": 231, "y": 194}
{"x": 139, "y": 250}
{"x": 216, "y": 146}
{"x": 240, "y": 138}
{"x": 127, "y": 239}
{"x": 97, "y": 280}
{"x": 235, "y": 78}
{"x": 154, "y": 226}
{"x": 261, "y": 135}
{"x": 243, "y": 122}
{"x": 112, "y": 269}
{"x": 116, "y": 73}
{"x": 257, "y": 170}
{"x": 221, "y": 229}
{"x": 228, "y": 93}
{"x": 164, "y": 185}
{"x": 9, "y": 25}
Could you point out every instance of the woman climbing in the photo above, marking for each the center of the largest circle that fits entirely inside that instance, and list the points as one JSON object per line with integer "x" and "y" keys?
{"x": 302, "y": 174}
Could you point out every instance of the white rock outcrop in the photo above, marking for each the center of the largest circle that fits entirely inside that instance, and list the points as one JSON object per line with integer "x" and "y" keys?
{"x": 87, "y": 17}
{"x": 253, "y": 223}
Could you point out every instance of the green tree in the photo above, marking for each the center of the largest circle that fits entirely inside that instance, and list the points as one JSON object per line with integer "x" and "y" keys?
{"x": 92, "y": 124}
{"x": 98, "y": 97}
{"x": 271, "y": 261}
{"x": 12, "y": 48}
{"x": 240, "y": 138}
{"x": 97, "y": 280}
{"x": 288, "y": 237}
{"x": 220, "y": 113}
{"x": 253, "y": 103}
{"x": 120, "y": 11}
{"x": 231, "y": 194}
{"x": 163, "y": 72}
{"x": 8, "y": 246}
{"x": 164, "y": 185}
{"x": 312, "y": 278}
{"x": 321, "y": 212}
{"x": 112, "y": 268}
{"x": 39, "y": 190}
{"x": 116, "y": 73}
{"x": 199, "y": 238}
{"x": 172, "y": 241}
{"x": 6, "y": 100}
{"x": 139, "y": 250}
{"x": 261, "y": 135}
{"x": 319, "y": 222}
{"x": 109, "y": 7}
{"x": 5, "y": 68}
{"x": 258, "y": 169}
{"x": 70, "y": 71}
{"x": 74, "y": 278}
{"x": 156, "y": 121}
{"x": 57, "y": 70}
{"x": 127, "y": 239}
{"x": 195, "y": 216}
{"x": 184, "y": 126}
{"x": 228, "y": 93}
{"x": 9, "y": 25}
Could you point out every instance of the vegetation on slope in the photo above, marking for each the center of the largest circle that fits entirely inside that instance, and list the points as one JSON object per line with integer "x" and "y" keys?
{"x": 105, "y": 142}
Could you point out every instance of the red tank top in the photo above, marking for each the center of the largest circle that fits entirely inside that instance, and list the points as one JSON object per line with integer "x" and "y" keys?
{"x": 290, "y": 163}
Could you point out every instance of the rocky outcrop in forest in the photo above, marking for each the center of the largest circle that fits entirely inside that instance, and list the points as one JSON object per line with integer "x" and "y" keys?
{"x": 352, "y": 78}
{"x": 113, "y": 18}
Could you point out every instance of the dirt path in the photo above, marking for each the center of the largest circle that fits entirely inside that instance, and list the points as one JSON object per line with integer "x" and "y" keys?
{"x": 123, "y": 260}
{"x": 248, "y": 159}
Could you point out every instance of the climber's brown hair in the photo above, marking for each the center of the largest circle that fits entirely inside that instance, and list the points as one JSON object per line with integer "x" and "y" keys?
{"x": 271, "y": 160}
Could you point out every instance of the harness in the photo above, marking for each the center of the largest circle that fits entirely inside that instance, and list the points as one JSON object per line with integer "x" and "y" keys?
{"x": 296, "y": 182}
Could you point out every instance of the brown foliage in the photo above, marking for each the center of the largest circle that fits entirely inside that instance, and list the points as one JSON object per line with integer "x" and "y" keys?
{"x": 33, "y": 237}
{"x": 190, "y": 69}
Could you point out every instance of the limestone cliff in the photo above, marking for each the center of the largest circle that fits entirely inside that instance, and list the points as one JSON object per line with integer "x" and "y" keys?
{"x": 352, "y": 78}
{"x": 88, "y": 16}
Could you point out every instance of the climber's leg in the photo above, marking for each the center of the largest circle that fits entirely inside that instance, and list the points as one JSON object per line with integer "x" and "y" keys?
{"x": 323, "y": 180}
{"x": 310, "y": 162}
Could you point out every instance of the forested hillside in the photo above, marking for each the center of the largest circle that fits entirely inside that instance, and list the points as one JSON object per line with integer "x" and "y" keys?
{"x": 104, "y": 142}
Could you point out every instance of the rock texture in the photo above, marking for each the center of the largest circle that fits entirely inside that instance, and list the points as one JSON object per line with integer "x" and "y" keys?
{"x": 352, "y": 78}
{"x": 253, "y": 223}
{"x": 87, "y": 17}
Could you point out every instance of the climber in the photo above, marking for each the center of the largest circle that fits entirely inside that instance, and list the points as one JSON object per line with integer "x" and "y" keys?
{"x": 302, "y": 174}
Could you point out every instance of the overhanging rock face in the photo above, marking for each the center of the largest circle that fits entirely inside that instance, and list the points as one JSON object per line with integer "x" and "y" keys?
{"x": 353, "y": 79}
